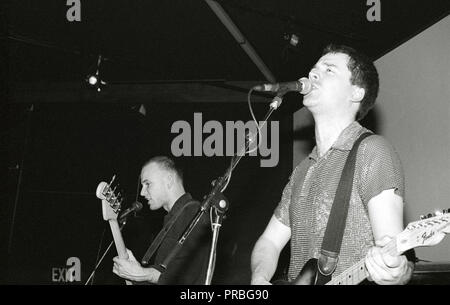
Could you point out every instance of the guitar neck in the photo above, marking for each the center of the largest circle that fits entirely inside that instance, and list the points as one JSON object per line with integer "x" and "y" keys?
{"x": 118, "y": 241}
{"x": 352, "y": 276}
{"x": 357, "y": 273}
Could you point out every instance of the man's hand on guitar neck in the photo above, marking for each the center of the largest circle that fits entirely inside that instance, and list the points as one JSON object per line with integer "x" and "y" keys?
{"x": 386, "y": 269}
{"x": 131, "y": 269}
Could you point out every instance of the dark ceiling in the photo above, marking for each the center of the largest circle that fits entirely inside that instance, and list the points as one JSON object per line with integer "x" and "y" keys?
{"x": 184, "y": 40}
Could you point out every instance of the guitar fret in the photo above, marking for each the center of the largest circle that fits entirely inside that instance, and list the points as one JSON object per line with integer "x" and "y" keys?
{"x": 361, "y": 274}
{"x": 351, "y": 276}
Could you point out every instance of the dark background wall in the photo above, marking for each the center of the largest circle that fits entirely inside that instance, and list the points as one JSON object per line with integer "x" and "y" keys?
{"x": 52, "y": 212}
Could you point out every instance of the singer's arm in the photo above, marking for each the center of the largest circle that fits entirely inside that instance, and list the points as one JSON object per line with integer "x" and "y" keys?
{"x": 131, "y": 269}
{"x": 267, "y": 250}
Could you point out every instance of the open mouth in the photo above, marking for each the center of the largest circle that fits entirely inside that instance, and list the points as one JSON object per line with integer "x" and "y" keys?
{"x": 313, "y": 88}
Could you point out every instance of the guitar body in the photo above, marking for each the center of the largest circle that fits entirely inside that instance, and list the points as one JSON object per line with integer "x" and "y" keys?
{"x": 307, "y": 276}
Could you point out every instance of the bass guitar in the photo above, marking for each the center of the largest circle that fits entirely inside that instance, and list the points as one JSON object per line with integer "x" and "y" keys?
{"x": 111, "y": 206}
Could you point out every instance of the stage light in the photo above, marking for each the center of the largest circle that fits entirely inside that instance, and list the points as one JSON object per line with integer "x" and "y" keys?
{"x": 94, "y": 80}
{"x": 292, "y": 38}
{"x": 142, "y": 110}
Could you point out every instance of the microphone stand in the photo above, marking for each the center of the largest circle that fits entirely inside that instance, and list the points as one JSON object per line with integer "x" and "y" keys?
{"x": 213, "y": 199}
{"x": 220, "y": 207}
{"x": 123, "y": 222}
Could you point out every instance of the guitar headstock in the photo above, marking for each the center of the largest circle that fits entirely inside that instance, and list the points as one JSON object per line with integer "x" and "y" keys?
{"x": 428, "y": 231}
{"x": 111, "y": 200}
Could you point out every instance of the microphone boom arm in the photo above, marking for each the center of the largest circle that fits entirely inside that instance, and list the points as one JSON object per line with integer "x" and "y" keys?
{"x": 219, "y": 186}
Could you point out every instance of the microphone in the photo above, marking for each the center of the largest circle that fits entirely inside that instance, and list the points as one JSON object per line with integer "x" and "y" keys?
{"x": 135, "y": 207}
{"x": 303, "y": 85}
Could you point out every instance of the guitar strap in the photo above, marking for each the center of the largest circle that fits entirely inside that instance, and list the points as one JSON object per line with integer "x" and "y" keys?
{"x": 331, "y": 244}
{"x": 162, "y": 234}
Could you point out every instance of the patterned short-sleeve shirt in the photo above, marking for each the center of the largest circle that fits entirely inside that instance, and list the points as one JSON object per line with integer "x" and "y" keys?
{"x": 307, "y": 198}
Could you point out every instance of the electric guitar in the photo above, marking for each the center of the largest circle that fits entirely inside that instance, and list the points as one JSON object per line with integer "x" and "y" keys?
{"x": 428, "y": 231}
{"x": 111, "y": 205}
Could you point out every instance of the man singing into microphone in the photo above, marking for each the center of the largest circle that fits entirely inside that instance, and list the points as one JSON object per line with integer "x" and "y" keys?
{"x": 162, "y": 186}
{"x": 344, "y": 88}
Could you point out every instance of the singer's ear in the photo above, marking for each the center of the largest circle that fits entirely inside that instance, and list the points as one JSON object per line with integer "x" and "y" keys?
{"x": 169, "y": 180}
{"x": 358, "y": 94}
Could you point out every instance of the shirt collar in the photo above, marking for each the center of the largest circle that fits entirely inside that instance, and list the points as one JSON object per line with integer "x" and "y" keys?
{"x": 186, "y": 197}
{"x": 345, "y": 140}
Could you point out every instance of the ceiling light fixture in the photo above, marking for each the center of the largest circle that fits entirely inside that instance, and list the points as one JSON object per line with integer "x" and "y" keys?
{"x": 292, "y": 38}
{"x": 94, "y": 80}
